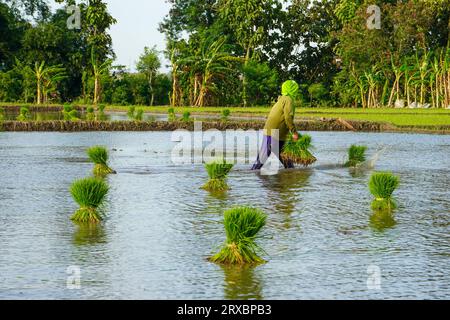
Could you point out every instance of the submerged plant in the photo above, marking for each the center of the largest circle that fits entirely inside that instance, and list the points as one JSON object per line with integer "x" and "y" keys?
{"x": 356, "y": 155}
{"x": 382, "y": 185}
{"x": 241, "y": 227}
{"x": 99, "y": 156}
{"x": 90, "y": 194}
{"x": 298, "y": 152}
{"x": 24, "y": 114}
{"x": 217, "y": 172}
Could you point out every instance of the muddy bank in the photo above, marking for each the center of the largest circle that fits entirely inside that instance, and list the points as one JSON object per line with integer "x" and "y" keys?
{"x": 80, "y": 126}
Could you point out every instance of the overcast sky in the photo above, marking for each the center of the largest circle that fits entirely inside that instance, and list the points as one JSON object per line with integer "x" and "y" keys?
{"x": 136, "y": 27}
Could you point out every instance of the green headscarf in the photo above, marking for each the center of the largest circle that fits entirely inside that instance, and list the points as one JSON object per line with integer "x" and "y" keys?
{"x": 290, "y": 89}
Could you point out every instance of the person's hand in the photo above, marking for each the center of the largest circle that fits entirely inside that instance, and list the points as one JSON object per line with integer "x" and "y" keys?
{"x": 295, "y": 137}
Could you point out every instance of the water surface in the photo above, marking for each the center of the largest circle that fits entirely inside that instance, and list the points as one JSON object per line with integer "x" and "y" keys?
{"x": 321, "y": 238}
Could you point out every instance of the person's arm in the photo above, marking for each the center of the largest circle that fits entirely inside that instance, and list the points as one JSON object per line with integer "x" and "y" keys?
{"x": 289, "y": 114}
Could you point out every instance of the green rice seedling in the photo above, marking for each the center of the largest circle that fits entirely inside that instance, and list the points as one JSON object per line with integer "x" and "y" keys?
{"x": 186, "y": 116}
{"x": 90, "y": 194}
{"x": 131, "y": 112}
{"x": 298, "y": 152}
{"x": 356, "y": 155}
{"x": 382, "y": 185}
{"x": 90, "y": 115}
{"x": 171, "y": 114}
{"x": 101, "y": 108}
{"x": 2, "y": 114}
{"x": 24, "y": 114}
{"x": 99, "y": 156}
{"x": 217, "y": 171}
{"x": 242, "y": 225}
{"x": 225, "y": 114}
{"x": 74, "y": 115}
{"x": 139, "y": 115}
{"x": 67, "y": 108}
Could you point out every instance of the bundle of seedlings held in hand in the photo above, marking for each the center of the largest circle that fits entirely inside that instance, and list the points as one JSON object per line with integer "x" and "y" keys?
{"x": 90, "y": 194}
{"x": 298, "y": 152}
{"x": 242, "y": 226}
{"x": 382, "y": 185}
{"x": 217, "y": 171}
{"x": 356, "y": 156}
{"x": 99, "y": 156}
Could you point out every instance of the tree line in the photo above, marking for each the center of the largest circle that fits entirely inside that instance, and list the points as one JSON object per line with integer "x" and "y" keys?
{"x": 235, "y": 52}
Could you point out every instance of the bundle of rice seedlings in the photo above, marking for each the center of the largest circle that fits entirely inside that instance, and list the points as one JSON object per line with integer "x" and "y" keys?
{"x": 69, "y": 113}
{"x": 99, "y": 156}
{"x": 382, "y": 185}
{"x": 225, "y": 114}
{"x": 131, "y": 112}
{"x": 139, "y": 115}
{"x": 217, "y": 172}
{"x": 90, "y": 194}
{"x": 2, "y": 116}
{"x": 90, "y": 115}
{"x": 186, "y": 116}
{"x": 171, "y": 114}
{"x": 356, "y": 155}
{"x": 101, "y": 108}
{"x": 24, "y": 114}
{"x": 298, "y": 152}
{"x": 242, "y": 225}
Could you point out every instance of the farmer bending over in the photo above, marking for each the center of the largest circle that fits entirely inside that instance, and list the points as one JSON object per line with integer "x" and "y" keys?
{"x": 281, "y": 117}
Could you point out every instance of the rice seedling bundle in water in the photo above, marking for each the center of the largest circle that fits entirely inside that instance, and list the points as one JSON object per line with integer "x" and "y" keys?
{"x": 99, "y": 156}
{"x": 139, "y": 115}
{"x": 24, "y": 114}
{"x": 382, "y": 185}
{"x": 356, "y": 155}
{"x": 225, "y": 114}
{"x": 90, "y": 115}
{"x": 298, "y": 152}
{"x": 90, "y": 194}
{"x": 186, "y": 116}
{"x": 242, "y": 226}
{"x": 217, "y": 172}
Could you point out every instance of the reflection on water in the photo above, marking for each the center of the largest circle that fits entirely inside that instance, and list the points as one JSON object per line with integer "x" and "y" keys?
{"x": 382, "y": 220}
{"x": 242, "y": 283}
{"x": 284, "y": 191}
{"x": 88, "y": 234}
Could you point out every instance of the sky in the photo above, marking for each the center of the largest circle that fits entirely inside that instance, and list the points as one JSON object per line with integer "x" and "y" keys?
{"x": 136, "y": 27}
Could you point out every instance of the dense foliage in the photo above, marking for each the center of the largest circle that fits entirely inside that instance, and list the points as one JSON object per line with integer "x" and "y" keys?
{"x": 234, "y": 52}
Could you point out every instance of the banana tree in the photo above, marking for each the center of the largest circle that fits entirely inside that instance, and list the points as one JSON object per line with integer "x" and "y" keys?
{"x": 99, "y": 69}
{"x": 398, "y": 74}
{"x": 422, "y": 67}
{"x": 45, "y": 77}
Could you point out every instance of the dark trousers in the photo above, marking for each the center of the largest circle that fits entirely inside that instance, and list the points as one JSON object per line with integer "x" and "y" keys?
{"x": 266, "y": 151}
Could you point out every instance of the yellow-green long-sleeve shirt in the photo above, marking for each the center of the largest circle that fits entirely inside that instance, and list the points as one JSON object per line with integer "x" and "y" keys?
{"x": 281, "y": 117}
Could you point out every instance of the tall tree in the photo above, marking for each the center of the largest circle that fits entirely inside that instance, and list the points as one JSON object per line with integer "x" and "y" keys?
{"x": 148, "y": 64}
